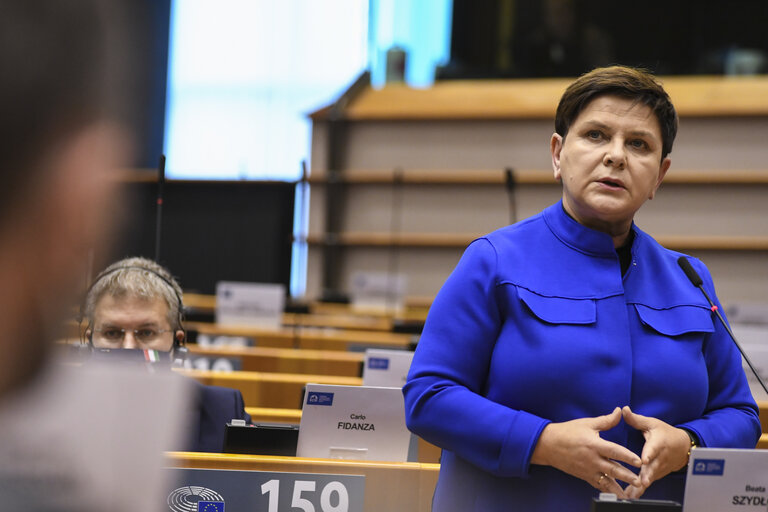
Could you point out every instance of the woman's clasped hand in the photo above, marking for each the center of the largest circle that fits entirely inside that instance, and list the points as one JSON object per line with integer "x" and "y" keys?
{"x": 575, "y": 447}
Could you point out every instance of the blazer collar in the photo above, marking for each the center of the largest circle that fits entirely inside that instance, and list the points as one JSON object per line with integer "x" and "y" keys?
{"x": 578, "y": 236}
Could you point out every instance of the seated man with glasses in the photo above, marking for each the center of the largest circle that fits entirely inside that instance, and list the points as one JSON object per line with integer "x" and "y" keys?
{"x": 134, "y": 309}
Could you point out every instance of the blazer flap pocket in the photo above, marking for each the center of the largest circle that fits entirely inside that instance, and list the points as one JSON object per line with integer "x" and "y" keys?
{"x": 677, "y": 319}
{"x": 559, "y": 310}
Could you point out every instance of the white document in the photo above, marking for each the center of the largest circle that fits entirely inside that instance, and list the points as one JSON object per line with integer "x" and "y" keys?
{"x": 353, "y": 422}
{"x": 91, "y": 439}
{"x": 724, "y": 480}
{"x": 387, "y": 368}
{"x": 252, "y": 304}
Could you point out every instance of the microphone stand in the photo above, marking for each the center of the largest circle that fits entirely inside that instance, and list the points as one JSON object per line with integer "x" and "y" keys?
{"x": 159, "y": 214}
{"x": 696, "y": 280}
{"x": 395, "y": 224}
{"x": 509, "y": 183}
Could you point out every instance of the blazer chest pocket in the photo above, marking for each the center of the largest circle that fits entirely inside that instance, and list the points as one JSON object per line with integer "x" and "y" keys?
{"x": 559, "y": 310}
{"x": 676, "y": 320}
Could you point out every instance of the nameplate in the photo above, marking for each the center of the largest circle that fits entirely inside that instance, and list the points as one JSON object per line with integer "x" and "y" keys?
{"x": 387, "y": 368}
{"x": 353, "y": 422}
{"x": 251, "y": 304}
{"x": 726, "y": 480}
{"x": 378, "y": 291}
{"x": 219, "y": 490}
{"x": 216, "y": 364}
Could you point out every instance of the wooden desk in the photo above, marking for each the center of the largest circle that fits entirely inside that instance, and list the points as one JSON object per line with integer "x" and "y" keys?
{"x": 762, "y": 405}
{"x": 416, "y": 309}
{"x": 389, "y": 486}
{"x": 339, "y": 321}
{"x": 287, "y": 360}
{"x": 260, "y": 389}
{"x": 305, "y": 337}
{"x": 344, "y": 316}
{"x": 274, "y": 415}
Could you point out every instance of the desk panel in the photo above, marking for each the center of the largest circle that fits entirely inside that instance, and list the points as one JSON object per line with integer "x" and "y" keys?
{"x": 286, "y": 360}
{"x": 389, "y": 486}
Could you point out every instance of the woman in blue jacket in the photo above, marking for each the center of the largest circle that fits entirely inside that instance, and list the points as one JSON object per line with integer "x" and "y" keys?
{"x": 568, "y": 354}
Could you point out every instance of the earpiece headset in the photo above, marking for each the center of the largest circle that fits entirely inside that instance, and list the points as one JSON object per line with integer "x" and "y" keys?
{"x": 179, "y": 350}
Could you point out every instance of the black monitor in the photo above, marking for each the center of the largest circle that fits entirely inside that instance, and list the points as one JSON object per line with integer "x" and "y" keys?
{"x": 262, "y": 439}
{"x": 212, "y": 230}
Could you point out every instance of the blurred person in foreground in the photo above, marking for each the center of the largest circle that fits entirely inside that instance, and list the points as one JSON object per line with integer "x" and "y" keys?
{"x": 134, "y": 311}
{"x": 69, "y": 440}
{"x": 568, "y": 354}
{"x": 59, "y": 141}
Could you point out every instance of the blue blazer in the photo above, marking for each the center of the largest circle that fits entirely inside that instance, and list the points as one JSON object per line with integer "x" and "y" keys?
{"x": 537, "y": 324}
{"x": 215, "y": 407}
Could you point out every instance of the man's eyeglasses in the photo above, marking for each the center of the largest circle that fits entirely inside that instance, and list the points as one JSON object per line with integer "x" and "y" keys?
{"x": 145, "y": 335}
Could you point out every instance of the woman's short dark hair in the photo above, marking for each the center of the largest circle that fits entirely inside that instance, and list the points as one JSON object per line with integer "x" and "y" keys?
{"x": 625, "y": 82}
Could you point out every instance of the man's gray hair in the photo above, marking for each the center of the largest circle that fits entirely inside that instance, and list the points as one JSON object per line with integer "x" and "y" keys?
{"x": 140, "y": 278}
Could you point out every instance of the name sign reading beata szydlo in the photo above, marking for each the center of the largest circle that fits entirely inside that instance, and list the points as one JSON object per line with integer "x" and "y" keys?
{"x": 725, "y": 480}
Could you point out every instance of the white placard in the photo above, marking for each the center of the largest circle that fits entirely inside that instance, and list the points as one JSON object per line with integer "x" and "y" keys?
{"x": 92, "y": 438}
{"x": 387, "y": 368}
{"x": 725, "y": 480}
{"x": 378, "y": 291}
{"x": 353, "y": 422}
{"x": 252, "y": 304}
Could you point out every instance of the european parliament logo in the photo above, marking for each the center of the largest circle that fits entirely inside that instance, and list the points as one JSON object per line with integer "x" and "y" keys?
{"x": 708, "y": 467}
{"x": 378, "y": 363}
{"x": 193, "y": 498}
{"x": 318, "y": 398}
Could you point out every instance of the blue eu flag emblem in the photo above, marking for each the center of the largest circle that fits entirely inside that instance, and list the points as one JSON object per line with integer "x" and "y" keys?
{"x": 210, "y": 506}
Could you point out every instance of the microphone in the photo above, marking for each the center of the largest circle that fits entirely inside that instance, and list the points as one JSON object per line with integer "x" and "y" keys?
{"x": 159, "y": 211}
{"x": 696, "y": 280}
{"x": 509, "y": 184}
{"x": 395, "y": 228}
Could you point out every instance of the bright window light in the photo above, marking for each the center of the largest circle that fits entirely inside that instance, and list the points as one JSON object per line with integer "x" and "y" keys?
{"x": 244, "y": 74}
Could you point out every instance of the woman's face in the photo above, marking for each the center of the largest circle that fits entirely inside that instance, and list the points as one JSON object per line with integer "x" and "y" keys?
{"x": 609, "y": 163}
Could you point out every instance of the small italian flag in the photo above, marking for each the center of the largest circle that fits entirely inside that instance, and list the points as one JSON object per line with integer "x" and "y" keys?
{"x": 151, "y": 355}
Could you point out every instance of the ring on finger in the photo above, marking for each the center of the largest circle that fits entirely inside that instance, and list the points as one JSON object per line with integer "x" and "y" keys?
{"x": 600, "y": 480}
